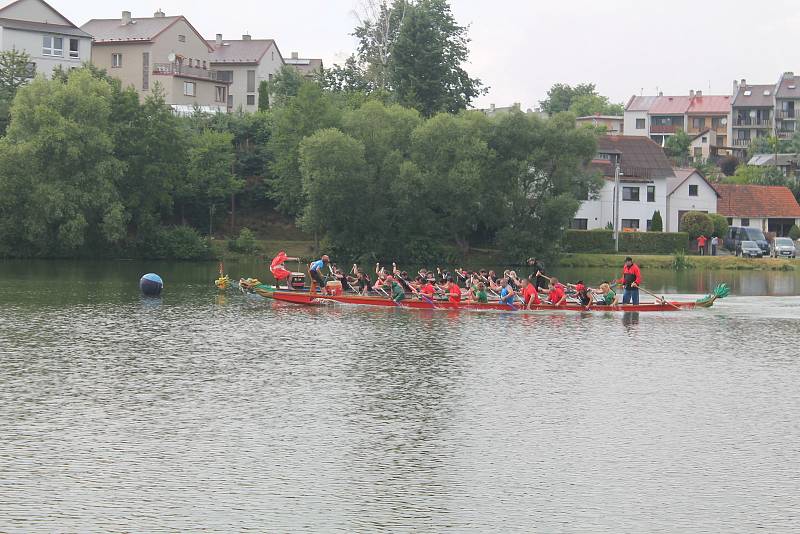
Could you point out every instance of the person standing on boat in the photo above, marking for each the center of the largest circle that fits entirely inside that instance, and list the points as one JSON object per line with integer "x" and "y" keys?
{"x": 631, "y": 280}
{"x": 315, "y": 273}
{"x": 537, "y": 273}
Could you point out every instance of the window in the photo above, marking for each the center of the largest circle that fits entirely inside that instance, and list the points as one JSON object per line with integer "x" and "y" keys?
{"x": 221, "y": 94}
{"x": 649, "y": 225}
{"x": 651, "y": 193}
{"x": 225, "y": 75}
{"x": 251, "y": 100}
{"x": 745, "y": 222}
{"x": 230, "y": 101}
{"x": 189, "y": 88}
{"x": 182, "y": 38}
{"x": 704, "y": 140}
{"x": 52, "y": 46}
{"x": 205, "y": 65}
{"x": 269, "y": 77}
{"x": 631, "y": 194}
{"x": 116, "y": 61}
{"x": 604, "y": 156}
{"x": 640, "y": 124}
{"x": 692, "y": 190}
{"x": 145, "y": 71}
{"x": 699, "y": 122}
{"x": 632, "y": 224}
{"x": 579, "y": 224}
{"x": 251, "y": 81}
{"x": 74, "y": 49}
{"x": 191, "y": 63}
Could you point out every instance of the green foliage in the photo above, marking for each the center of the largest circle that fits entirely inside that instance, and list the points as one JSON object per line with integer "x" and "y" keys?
{"x": 657, "y": 224}
{"x": 728, "y": 165}
{"x": 759, "y": 175}
{"x": 770, "y": 145}
{"x": 263, "y": 96}
{"x": 720, "y": 225}
{"x": 677, "y": 146}
{"x": 15, "y": 71}
{"x": 583, "y": 99}
{"x": 697, "y": 223}
{"x": 285, "y": 84}
{"x": 679, "y": 261}
{"x": 602, "y": 241}
{"x": 245, "y": 243}
{"x": 179, "y": 243}
{"x": 583, "y": 105}
{"x": 794, "y": 232}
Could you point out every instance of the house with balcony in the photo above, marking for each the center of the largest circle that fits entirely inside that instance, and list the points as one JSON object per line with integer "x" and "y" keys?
{"x": 787, "y": 105}
{"x": 245, "y": 63}
{"x": 709, "y": 115}
{"x": 667, "y": 115}
{"x": 49, "y": 38}
{"x": 644, "y": 172}
{"x": 752, "y": 114}
{"x": 168, "y": 51}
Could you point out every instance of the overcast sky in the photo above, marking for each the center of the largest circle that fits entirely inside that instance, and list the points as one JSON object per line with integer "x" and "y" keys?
{"x": 521, "y": 47}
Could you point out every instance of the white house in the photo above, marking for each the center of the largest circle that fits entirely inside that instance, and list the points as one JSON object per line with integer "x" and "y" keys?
{"x": 49, "y": 38}
{"x": 688, "y": 190}
{"x": 645, "y": 171}
{"x": 245, "y": 63}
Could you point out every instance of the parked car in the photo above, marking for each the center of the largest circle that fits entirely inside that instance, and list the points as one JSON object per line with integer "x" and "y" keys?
{"x": 737, "y": 234}
{"x": 749, "y": 249}
{"x": 783, "y": 247}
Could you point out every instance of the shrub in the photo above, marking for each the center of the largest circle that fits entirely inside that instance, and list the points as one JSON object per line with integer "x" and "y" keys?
{"x": 728, "y": 165}
{"x": 794, "y": 232}
{"x": 602, "y": 241}
{"x": 720, "y": 225}
{"x": 245, "y": 243}
{"x": 175, "y": 243}
{"x": 657, "y": 225}
{"x": 697, "y": 223}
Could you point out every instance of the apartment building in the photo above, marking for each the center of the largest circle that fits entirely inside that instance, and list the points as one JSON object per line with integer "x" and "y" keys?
{"x": 245, "y": 63}
{"x": 752, "y": 113}
{"x": 49, "y": 38}
{"x": 167, "y": 51}
{"x": 709, "y": 114}
{"x": 787, "y": 105}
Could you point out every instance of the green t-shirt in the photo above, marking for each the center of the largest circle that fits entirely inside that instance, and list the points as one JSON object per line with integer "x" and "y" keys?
{"x": 481, "y": 297}
{"x": 397, "y": 292}
{"x": 609, "y": 297}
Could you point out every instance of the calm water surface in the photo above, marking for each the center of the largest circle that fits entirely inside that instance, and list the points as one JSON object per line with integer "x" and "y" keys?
{"x": 225, "y": 413}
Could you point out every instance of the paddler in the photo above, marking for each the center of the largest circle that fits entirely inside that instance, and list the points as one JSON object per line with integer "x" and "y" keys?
{"x": 507, "y": 294}
{"x": 631, "y": 280}
{"x": 397, "y": 291}
{"x": 608, "y": 297}
{"x": 478, "y": 294}
{"x": 453, "y": 292}
{"x": 557, "y": 296}
{"x": 529, "y": 294}
{"x": 426, "y": 288}
{"x": 582, "y": 293}
{"x": 315, "y": 273}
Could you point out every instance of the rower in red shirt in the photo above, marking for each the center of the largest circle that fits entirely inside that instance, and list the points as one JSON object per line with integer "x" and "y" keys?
{"x": 453, "y": 292}
{"x": 529, "y": 294}
{"x": 557, "y": 296}
{"x": 427, "y": 289}
{"x": 631, "y": 280}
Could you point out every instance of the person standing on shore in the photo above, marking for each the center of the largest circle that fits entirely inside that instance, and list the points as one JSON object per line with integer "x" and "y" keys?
{"x": 631, "y": 280}
{"x": 714, "y": 245}
{"x": 701, "y": 244}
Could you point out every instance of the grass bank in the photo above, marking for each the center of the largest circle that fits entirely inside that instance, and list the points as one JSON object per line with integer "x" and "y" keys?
{"x": 711, "y": 263}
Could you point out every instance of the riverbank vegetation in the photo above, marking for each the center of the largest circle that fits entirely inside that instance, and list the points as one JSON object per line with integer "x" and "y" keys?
{"x": 678, "y": 262}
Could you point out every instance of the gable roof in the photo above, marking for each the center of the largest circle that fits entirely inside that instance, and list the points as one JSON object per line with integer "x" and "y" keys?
{"x": 783, "y": 160}
{"x": 756, "y": 98}
{"x": 4, "y": 12}
{"x": 42, "y": 27}
{"x": 756, "y": 201}
{"x": 140, "y": 29}
{"x": 640, "y": 103}
{"x": 788, "y": 86}
{"x": 639, "y": 157}
{"x": 682, "y": 175}
{"x": 240, "y": 51}
{"x": 720, "y": 104}
{"x": 304, "y": 66}
{"x": 670, "y": 105}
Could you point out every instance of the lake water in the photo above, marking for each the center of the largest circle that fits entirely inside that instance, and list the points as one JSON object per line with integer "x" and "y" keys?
{"x": 225, "y": 413}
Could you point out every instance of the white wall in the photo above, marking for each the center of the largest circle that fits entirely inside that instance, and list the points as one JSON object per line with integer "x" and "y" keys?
{"x": 600, "y": 212}
{"x": 270, "y": 64}
{"x": 706, "y": 200}
{"x": 630, "y": 123}
{"x": 31, "y": 42}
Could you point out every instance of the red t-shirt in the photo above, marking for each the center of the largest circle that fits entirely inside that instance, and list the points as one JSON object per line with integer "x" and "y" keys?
{"x": 454, "y": 293}
{"x": 556, "y": 294}
{"x": 701, "y": 241}
{"x": 428, "y": 290}
{"x": 530, "y": 293}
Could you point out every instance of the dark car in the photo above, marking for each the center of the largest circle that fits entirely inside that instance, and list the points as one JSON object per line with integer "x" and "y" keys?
{"x": 749, "y": 249}
{"x": 737, "y": 234}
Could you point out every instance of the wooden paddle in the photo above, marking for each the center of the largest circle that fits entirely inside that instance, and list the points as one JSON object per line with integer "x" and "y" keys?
{"x": 659, "y": 299}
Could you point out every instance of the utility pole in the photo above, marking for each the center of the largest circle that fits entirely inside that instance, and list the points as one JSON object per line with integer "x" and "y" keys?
{"x": 616, "y": 204}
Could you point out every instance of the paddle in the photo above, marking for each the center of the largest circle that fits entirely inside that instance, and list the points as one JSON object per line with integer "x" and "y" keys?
{"x": 659, "y": 299}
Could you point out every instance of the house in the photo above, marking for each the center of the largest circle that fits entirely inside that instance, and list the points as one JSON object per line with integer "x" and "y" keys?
{"x": 167, "y": 51}
{"x": 49, "y": 38}
{"x": 644, "y": 172}
{"x": 688, "y": 190}
{"x": 787, "y": 105}
{"x": 766, "y": 207}
{"x": 307, "y": 67}
{"x": 709, "y": 113}
{"x": 752, "y": 114}
{"x": 245, "y": 63}
{"x": 494, "y": 111}
{"x": 787, "y": 163}
{"x": 636, "y": 120}
{"x": 613, "y": 124}
{"x": 704, "y": 145}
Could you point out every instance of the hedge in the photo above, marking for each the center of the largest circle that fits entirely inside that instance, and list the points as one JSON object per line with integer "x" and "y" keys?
{"x": 602, "y": 241}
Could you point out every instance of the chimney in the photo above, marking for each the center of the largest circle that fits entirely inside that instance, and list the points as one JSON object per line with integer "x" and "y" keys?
{"x": 735, "y": 87}
{"x": 126, "y": 18}
{"x": 691, "y": 93}
{"x": 699, "y": 93}
{"x": 661, "y": 93}
{"x": 219, "y": 40}
{"x": 491, "y": 107}
{"x": 743, "y": 83}
{"x": 789, "y": 75}
{"x": 295, "y": 55}
{"x": 247, "y": 37}
{"x": 159, "y": 14}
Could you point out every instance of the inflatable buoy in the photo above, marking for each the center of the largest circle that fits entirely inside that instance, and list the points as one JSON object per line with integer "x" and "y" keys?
{"x": 151, "y": 285}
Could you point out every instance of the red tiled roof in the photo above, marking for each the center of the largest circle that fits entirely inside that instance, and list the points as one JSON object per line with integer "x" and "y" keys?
{"x": 710, "y": 104}
{"x": 670, "y": 105}
{"x": 756, "y": 201}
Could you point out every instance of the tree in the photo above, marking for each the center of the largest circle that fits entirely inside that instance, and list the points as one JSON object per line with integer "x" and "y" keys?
{"x": 263, "y": 96}
{"x": 794, "y": 232}
{"x": 759, "y": 175}
{"x": 210, "y": 167}
{"x": 657, "y": 224}
{"x": 594, "y": 104}
{"x": 677, "y": 146}
{"x": 561, "y": 95}
{"x": 285, "y": 84}
{"x": 58, "y": 173}
{"x": 720, "y": 225}
{"x": 426, "y": 63}
{"x": 15, "y": 71}
{"x": 728, "y": 165}
{"x": 379, "y": 25}
{"x": 697, "y": 223}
